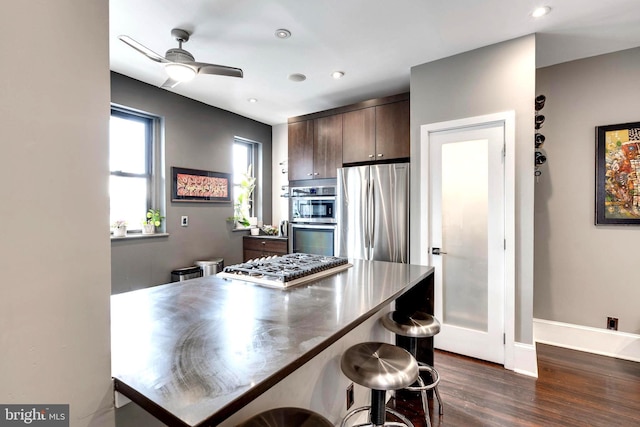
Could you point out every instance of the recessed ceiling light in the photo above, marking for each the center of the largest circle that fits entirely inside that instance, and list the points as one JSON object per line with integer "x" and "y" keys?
{"x": 283, "y": 33}
{"x": 337, "y": 74}
{"x": 541, "y": 11}
{"x": 252, "y": 100}
{"x": 297, "y": 77}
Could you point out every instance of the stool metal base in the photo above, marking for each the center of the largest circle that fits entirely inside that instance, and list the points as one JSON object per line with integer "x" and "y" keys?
{"x": 422, "y": 388}
{"x": 417, "y": 325}
{"x": 285, "y": 417}
{"x": 379, "y": 367}
{"x": 405, "y": 422}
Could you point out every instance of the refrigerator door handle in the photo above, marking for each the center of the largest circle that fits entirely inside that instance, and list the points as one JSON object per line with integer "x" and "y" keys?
{"x": 372, "y": 218}
{"x": 366, "y": 220}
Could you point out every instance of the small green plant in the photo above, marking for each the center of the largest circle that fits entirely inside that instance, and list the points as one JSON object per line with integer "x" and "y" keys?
{"x": 242, "y": 203}
{"x": 154, "y": 217}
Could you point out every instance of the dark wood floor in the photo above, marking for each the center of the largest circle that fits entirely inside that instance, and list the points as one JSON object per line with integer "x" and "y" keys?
{"x": 573, "y": 388}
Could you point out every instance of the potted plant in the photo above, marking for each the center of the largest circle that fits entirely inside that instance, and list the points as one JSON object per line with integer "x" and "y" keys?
{"x": 153, "y": 220}
{"x": 119, "y": 228}
{"x": 242, "y": 203}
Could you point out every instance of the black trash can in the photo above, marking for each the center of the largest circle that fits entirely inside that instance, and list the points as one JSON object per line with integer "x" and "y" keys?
{"x": 186, "y": 273}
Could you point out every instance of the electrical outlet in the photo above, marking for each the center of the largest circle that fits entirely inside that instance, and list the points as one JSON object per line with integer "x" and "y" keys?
{"x": 184, "y": 221}
{"x": 350, "y": 397}
{"x": 612, "y": 323}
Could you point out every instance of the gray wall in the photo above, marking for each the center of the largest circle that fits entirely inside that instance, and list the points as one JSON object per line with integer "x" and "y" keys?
{"x": 584, "y": 273}
{"x": 196, "y": 136}
{"x": 493, "y": 79}
{"x": 54, "y": 250}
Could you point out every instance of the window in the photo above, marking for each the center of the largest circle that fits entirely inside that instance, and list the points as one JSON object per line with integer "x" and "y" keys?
{"x": 131, "y": 158}
{"x": 245, "y": 154}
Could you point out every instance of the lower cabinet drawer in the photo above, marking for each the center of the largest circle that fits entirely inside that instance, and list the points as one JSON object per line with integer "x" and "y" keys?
{"x": 258, "y": 248}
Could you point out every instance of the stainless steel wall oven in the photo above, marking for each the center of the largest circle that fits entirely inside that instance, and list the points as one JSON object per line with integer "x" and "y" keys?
{"x": 313, "y": 220}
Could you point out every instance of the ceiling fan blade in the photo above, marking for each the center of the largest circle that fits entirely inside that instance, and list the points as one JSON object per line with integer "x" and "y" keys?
{"x": 221, "y": 70}
{"x": 170, "y": 83}
{"x": 143, "y": 49}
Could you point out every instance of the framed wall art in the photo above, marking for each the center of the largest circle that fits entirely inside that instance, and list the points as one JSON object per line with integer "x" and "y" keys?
{"x": 618, "y": 174}
{"x": 192, "y": 185}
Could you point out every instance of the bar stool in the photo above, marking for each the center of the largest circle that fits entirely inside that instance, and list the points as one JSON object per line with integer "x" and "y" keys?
{"x": 285, "y": 417}
{"x": 380, "y": 367}
{"x": 417, "y": 325}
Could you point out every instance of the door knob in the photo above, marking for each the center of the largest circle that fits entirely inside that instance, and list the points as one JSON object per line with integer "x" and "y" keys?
{"x": 437, "y": 251}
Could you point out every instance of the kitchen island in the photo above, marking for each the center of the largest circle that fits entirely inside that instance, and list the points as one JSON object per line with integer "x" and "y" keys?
{"x": 208, "y": 351}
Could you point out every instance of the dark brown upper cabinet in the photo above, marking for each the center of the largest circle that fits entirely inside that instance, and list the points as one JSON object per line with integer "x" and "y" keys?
{"x": 376, "y": 133}
{"x": 392, "y": 131}
{"x": 315, "y": 148}
{"x": 359, "y": 135}
{"x": 327, "y": 146}
{"x": 300, "y": 150}
{"x": 369, "y": 131}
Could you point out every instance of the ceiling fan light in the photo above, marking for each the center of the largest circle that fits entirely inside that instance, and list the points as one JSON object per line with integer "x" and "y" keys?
{"x": 180, "y": 72}
{"x": 541, "y": 11}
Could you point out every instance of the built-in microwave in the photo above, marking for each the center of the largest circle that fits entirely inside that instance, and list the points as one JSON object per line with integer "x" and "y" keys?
{"x": 313, "y": 204}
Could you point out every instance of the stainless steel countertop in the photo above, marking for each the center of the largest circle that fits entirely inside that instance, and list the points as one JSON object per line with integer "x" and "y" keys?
{"x": 198, "y": 350}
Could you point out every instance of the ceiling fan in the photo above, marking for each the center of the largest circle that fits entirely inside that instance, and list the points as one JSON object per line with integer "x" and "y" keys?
{"x": 179, "y": 64}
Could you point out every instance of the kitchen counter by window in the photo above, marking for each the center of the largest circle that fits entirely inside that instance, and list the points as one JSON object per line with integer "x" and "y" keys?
{"x": 193, "y": 353}
{"x": 267, "y": 236}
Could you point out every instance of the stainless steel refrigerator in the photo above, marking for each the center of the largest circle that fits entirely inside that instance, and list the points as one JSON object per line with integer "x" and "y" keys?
{"x": 373, "y": 212}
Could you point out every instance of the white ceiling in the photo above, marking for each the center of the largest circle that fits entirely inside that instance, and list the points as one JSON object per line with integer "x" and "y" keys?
{"x": 375, "y": 42}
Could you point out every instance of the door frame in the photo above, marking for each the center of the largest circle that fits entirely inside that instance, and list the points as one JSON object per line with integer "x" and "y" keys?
{"x": 507, "y": 120}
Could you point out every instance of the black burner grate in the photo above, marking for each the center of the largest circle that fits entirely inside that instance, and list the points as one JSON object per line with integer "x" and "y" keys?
{"x": 286, "y": 268}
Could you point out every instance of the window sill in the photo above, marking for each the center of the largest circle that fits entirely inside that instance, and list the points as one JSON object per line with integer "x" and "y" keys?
{"x": 241, "y": 229}
{"x": 136, "y": 236}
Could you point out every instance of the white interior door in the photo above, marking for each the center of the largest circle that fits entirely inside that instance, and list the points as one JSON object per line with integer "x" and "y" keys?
{"x": 467, "y": 239}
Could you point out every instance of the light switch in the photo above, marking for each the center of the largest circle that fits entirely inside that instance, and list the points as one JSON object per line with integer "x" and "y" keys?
{"x": 184, "y": 221}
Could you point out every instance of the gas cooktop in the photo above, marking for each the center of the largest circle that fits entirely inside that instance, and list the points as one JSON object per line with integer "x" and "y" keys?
{"x": 285, "y": 271}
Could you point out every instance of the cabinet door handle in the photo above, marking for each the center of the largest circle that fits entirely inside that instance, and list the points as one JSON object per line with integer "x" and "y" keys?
{"x": 309, "y": 174}
{"x": 317, "y": 173}
{"x": 264, "y": 243}
{"x": 371, "y": 156}
{"x": 380, "y": 154}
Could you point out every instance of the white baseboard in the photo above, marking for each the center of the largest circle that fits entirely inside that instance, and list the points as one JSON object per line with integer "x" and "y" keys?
{"x": 525, "y": 360}
{"x": 605, "y": 342}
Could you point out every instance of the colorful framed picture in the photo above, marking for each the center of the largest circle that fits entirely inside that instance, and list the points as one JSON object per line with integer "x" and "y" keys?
{"x": 618, "y": 174}
{"x": 192, "y": 185}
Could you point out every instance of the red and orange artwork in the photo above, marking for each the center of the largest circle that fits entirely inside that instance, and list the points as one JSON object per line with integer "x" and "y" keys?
{"x": 201, "y": 186}
{"x": 622, "y": 174}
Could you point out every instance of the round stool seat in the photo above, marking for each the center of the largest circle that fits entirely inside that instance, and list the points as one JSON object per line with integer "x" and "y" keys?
{"x": 417, "y": 325}
{"x": 379, "y": 366}
{"x": 284, "y": 417}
